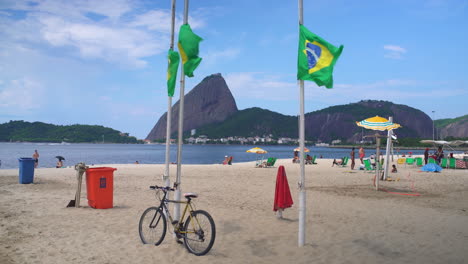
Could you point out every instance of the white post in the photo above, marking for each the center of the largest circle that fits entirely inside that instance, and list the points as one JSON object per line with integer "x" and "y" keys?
{"x": 166, "y": 178}
{"x": 387, "y": 150}
{"x": 177, "y": 194}
{"x": 302, "y": 193}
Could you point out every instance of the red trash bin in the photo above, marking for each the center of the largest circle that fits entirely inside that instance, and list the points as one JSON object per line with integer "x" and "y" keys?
{"x": 100, "y": 187}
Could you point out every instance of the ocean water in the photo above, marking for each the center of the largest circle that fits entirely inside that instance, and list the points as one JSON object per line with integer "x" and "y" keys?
{"x": 151, "y": 153}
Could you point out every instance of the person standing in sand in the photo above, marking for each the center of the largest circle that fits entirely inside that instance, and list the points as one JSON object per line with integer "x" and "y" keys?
{"x": 362, "y": 154}
{"x": 36, "y": 158}
{"x": 352, "y": 154}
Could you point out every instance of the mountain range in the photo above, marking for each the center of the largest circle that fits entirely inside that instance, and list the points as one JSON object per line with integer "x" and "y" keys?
{"x": 211, "y": 110}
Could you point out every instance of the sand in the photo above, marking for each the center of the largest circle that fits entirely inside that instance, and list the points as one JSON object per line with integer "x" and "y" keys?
{"x": 348, "y": 221}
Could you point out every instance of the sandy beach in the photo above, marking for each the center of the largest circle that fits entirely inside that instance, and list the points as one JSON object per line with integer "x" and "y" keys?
{"x": 348, "y": 221}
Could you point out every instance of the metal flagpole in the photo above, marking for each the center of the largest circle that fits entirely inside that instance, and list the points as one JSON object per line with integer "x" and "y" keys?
{"x": 177, "y": 194}
{"x": 166, "y": 179}
{"x": 302, "y": 193}
{"x": 387, "y": 150}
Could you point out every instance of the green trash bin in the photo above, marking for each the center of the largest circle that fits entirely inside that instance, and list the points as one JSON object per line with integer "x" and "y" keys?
{"x": 26, "y": 170}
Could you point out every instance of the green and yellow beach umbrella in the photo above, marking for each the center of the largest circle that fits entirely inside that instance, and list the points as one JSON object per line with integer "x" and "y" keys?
{"x": 377, "y": 123}
{"x": 257, "y": 151}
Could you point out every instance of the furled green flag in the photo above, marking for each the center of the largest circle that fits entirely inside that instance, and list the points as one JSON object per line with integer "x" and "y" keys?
{"x": 188, "y": 48}
{"x": 173, "y": 63}
{"x": 316, "y": 58}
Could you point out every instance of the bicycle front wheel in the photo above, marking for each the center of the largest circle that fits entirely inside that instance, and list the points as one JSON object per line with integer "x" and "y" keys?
{"x": 200, "y": 232}
{"x": 152, "y": 226}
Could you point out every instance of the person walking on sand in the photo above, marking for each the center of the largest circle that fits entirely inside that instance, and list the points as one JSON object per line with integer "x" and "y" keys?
{"x": 362, "y": 154}
{"x": 352, "y": 158}
{"x": 36, "y": 158}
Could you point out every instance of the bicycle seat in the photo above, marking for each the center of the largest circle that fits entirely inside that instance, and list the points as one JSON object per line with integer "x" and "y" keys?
{"x": 190, "y": 195}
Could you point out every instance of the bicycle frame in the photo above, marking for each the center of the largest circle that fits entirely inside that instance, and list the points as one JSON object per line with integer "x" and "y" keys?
{"x": 177, "y": 225}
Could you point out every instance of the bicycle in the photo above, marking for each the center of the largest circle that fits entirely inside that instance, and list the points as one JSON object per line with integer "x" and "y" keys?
{"x": 196, "y": 227}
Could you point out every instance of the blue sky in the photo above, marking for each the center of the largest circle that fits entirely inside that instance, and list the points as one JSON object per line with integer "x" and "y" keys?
{"x": 104, "y": 62}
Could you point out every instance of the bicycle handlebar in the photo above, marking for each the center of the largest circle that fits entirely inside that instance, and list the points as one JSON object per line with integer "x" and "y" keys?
{"x": 164, "y": 188}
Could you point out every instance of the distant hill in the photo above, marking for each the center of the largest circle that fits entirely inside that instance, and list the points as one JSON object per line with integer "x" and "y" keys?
{"x": 41, "y": 132}
{"x": 211, "y": 109}
{"x": 452, "y": 127}
{"x": 336, "y": 122}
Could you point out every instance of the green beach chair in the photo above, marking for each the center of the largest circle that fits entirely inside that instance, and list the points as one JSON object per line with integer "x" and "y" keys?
{"x": 419, "y": 161}
{"x": 453, "y": 163}
{"x": 313, "y": 159}
{"x": 431, "y": 160}
{"x": 270, "y": 162}
{"x": 443, "y": 163}
{"x": 410, "y": 161}
{"x": 345, "y": 161}
{"x": 368, "y": 166}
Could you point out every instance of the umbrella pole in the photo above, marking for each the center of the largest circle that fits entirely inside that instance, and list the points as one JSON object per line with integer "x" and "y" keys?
{"x": 377, "y": 162}
{"x": 387, "y": 150}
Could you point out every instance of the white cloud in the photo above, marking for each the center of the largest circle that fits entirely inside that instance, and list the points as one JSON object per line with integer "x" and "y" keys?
{"x": 260, "y": 85}
{"x": 216, "y": 56}
{"x": 21, "y": 96}
{"x": 394, "y": 52}
{"x": 111, "y": 30}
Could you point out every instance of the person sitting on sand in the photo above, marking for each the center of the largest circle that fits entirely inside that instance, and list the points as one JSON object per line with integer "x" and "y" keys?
{"x": 308, "y": 159}
{"x": 296, "y": 159}
{"x": 394, "y": 169}
{"x": 226, "y": 160}
{"x": 337, "y": 162}
{"x": 59, "y": 164}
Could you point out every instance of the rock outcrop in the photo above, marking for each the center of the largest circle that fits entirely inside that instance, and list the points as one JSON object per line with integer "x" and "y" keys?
{"x": 458, "y": 129}
{"x": 339, "y": 122}
{"x": 209, "y": 102}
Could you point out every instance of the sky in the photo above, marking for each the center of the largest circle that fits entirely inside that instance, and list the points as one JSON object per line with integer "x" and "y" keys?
{"x": 104, "y": 62}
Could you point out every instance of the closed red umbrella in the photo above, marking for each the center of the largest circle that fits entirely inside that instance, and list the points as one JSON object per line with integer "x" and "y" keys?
{"x": 283, "y": 197}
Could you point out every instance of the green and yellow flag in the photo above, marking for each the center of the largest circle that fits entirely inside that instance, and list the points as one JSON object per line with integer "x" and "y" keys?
{"x": 188, "y": 48}
{"x": 316, "y": 58}
{"x": 172, "y": 66}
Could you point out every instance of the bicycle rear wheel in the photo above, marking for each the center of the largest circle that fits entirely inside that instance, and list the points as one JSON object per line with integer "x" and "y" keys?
{"x": 200, "y": 233}
{"x": 152, "y": 226}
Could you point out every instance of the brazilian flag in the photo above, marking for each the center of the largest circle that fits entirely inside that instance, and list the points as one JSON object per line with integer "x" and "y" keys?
{"x": 173, "y": 63}
{"x": 316, "y": 58}
{"x": 188, "y": 48}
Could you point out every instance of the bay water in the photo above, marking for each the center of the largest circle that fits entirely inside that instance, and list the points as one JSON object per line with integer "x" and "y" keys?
{"x": 92, "y": 154}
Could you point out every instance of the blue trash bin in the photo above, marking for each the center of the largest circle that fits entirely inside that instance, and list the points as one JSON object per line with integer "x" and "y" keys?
{"x": 26, "y": 170}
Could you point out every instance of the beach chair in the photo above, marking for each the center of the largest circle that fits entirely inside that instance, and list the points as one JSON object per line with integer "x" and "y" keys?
{"x": 410, "y": 161}
{"x": 431, "y": 160}
{"x": 444, "y": 163}
{"x": 419, "y": 161}
{"x": 345, "y": 161}
{"x": 270, "y": 163}
{"x": 452, "y": 163}
{"x": 230, "y": 160}
{"x": 368, "y": 166}
{"x": 313, "y": 159}
{"x": 401, "y": 161}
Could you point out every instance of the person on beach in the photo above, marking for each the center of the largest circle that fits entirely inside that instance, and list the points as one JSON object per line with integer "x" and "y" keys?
{"x": 394, "y": 169}
{"x": 226, "y": 160}
{"x": 59, "y": 164}
{"x": 426, "y": 155}
{"x": 352, "y": 158}
{"x": 337, "y": 162}
{"x": 439, "y": 154}
{"x": 36, "y": 158}
{"x": 362, "y": 154}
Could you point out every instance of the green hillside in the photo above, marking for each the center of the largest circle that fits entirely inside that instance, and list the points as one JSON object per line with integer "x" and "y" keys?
{"x": 447, "y": 121}
{"x": 42, "y": 132}
{"x": 253, "y": 122}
